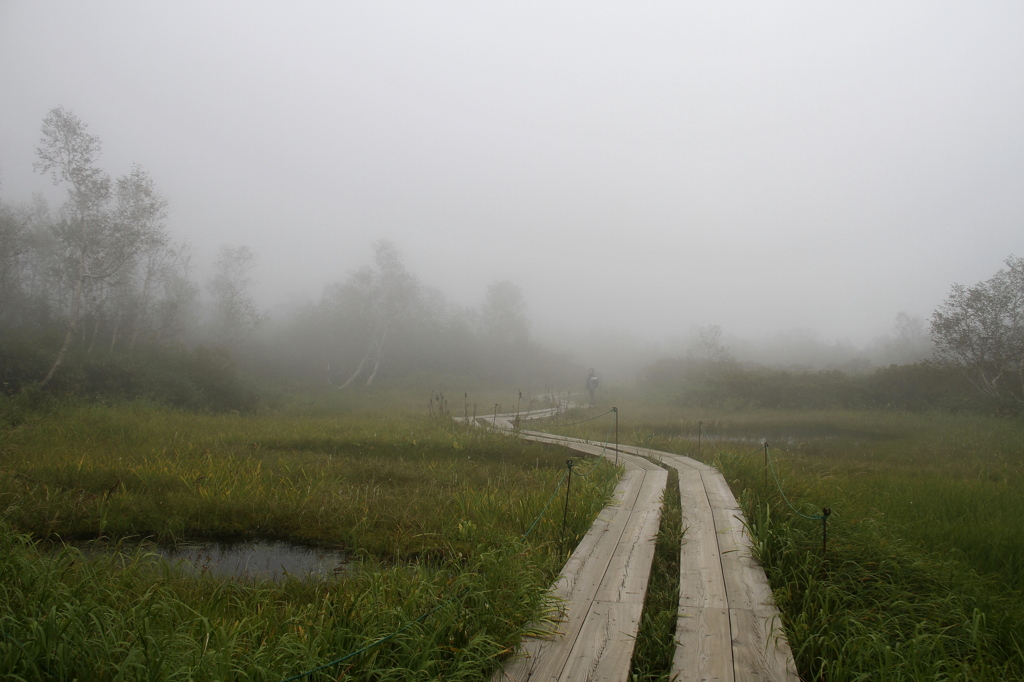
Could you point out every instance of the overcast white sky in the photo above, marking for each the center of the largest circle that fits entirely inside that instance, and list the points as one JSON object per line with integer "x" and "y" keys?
{"x": 764, "y": 166}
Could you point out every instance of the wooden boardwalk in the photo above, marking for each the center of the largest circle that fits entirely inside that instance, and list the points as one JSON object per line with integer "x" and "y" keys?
{"x": 728, "y": 627}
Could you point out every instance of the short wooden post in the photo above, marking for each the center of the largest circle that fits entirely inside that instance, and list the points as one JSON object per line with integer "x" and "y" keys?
{"x": 616, "y": 411}
{"x": 825, "y": 513}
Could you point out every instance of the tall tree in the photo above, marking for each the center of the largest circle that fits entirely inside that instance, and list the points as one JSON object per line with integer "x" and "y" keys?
{"x": 13, "y": 248}
{"x": 68, "y": 153}
{"x": 176, "y": 305}
{"x": 980, "y": 329}
{"x": 709, "y": 345}
{"x": 911, "y": 342}
{"x": 234, "y": 311}
{"x": 503, "y": 316}
{"x": 385, "y": 296}
{"x": 141, "y": 210}
{"x": 505, "y": 333}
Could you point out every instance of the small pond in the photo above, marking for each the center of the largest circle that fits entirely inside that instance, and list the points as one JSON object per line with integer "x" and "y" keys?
{"x": 268, "y": 560}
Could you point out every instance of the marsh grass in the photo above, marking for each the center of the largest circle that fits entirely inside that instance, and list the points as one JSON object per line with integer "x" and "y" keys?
{"x": 436, "y": 511}
{"x": 384, "y": 486}
{"x": 875, "y": 606}
{"x": 66, "y": 617}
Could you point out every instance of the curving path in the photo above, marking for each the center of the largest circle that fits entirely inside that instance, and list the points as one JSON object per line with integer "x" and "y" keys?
{"x": 728, "y": 627}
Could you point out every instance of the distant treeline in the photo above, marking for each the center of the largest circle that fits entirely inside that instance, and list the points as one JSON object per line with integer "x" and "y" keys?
{"x": 97, "y": 300}
{"x": 689, "y": 382}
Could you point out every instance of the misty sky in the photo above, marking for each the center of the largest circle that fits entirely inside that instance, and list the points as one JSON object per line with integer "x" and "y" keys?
{"x": 763, "y": 166}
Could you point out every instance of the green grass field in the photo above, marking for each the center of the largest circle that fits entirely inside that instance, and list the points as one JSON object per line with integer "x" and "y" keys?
{"x": 922, "y": 578}
{"x": 435, "y": 511}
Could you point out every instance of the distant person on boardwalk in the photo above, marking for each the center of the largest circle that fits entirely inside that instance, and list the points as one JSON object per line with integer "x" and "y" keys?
{"x": 592, "y": 385}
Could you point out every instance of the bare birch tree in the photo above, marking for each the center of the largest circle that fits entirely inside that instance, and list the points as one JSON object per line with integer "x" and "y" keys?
{"x": 68, "y": 153}
{"x": 234, "y": 311}
{"x": 387, "y": 296}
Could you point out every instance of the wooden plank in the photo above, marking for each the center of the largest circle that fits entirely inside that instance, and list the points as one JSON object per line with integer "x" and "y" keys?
{"x": 701, "y": 582}
{"x": 719, "y": 493}
{"x": 703, "y": 645}
{"x": 689, "y": 462}
{"x": 745, "y": 582}
{"x": 604, "y": 649}
{"x": 586, "y": 567}
{"x": 703, "y": 634}
{"x": 598, "y": 634}
{"x": 630, "y": 564}
{"x": 760, "y": 649}
{"x": 577, "y": 584}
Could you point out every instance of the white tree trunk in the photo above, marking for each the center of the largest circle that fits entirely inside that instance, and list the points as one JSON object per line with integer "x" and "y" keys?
{"x": 359, "y": 370}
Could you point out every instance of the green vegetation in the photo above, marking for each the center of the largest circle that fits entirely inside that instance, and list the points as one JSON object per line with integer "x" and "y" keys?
{"x": 729, "y": 385}
{"x": 436, "y": 511}
{"x": 923, "y": 578}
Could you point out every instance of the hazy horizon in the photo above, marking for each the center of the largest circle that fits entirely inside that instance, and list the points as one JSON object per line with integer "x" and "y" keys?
{"x": 638, "y": 171}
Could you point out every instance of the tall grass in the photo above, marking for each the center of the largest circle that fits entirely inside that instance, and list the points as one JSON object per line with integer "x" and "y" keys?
{"x": 65, "y": 617}
{"x": 383, "y": 485}
{"x": 437, "y": 511}
{"x": 875, "y": 606}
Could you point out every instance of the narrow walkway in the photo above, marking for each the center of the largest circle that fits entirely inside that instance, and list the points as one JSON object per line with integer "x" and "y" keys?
{"x": 728, "y": 627}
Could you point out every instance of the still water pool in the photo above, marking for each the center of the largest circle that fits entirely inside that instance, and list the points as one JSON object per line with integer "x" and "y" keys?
{"x": 269, "y": 560}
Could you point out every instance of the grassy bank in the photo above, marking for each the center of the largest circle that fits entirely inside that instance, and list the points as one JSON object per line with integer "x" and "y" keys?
{"x": 436, "y": 511}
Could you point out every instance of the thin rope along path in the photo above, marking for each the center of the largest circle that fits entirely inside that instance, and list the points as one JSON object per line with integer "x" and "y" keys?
{"x": 778, "y": 484}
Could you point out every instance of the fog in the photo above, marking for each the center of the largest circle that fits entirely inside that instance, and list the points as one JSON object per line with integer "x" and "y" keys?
{"x": 638, "y": 170}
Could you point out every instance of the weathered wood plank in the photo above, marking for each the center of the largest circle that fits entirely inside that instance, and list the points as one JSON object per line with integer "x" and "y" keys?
{"x": 544, "y": 659}
{"x": 745, "y": 581}
{"x": 604, "y": 584}
{"x": 604, "y": 649}
{"x": 630, "y": 564}
{"x": 701, "y": 583}
{"x": 586, "y": 567}
{"x": 703, "y": 645}
{"x": 760, "y": 650}
{"x": 703, "y": 634}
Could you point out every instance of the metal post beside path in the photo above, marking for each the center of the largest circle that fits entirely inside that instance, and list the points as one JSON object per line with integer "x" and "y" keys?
{"x": 565, "y": 509}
